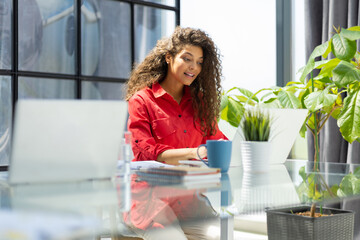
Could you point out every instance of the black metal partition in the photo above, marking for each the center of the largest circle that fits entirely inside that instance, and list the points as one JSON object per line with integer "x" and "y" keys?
{"x": 73, "y": 49}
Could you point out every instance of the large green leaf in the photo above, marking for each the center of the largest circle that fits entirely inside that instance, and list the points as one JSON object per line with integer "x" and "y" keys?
{"x": 288, "y": 100}
{"x": 235, "y": 112}
{"x": 311, "y": 122}
{"x": 302, "y": 173}
{"x": 302, "y": 97}
{"x": 342, "y": 47}
{"x": 246, "y": 93}
{"x": 353, "y": 34}
{"x": 354, "y": 28}
{"x": 326, "y": 69}
{"x": 356, "y": 187}
{"x": 224, "y": 102}
{"x": 270, "y": 100}
{"x": 319, "y": 99}
{"x": 321, "y": 50}
{"x": 323, "y": 79}
{"x": 243, "y": 99}
{"x": 349, "y": 186}
{"x": 345, "y": 73}
{"x": 322, "y": 63}
{"x": 302, "y": 131}
{"x": 349, "y": 118}
{"x": 273, "y": 103}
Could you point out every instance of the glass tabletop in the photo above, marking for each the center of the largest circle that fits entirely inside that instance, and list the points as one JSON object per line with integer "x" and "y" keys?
{"x": 128, "y": 206}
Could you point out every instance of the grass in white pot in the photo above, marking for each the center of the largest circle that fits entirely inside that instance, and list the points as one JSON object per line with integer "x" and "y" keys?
{"x": 256, "y": 148}
{"x": 256, "y": 125}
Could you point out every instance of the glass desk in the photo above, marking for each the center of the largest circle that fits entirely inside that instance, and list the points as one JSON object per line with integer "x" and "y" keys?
{"x": 124, "y": 206}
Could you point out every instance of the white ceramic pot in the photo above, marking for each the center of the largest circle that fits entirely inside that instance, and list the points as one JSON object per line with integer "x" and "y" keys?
{"x": 255, "y": 155}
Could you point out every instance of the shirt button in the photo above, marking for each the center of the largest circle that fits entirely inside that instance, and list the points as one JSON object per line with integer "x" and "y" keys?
{"x": 179, "y": 115}
{"x": 184, "y": 131}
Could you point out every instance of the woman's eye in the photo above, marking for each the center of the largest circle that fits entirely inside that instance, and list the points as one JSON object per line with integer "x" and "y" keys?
{"x": 200, "y": 63}
{"x": 186, "y": 59}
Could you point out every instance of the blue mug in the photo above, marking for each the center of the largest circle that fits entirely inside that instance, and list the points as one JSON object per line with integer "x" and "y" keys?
{"x": 218, "y": 154}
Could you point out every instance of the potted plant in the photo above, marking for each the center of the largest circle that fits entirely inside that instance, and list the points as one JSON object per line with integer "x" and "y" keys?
{"x": 306, "y": 222}
{"x": 255, "y": 147}
{"x": 334, "y": 92}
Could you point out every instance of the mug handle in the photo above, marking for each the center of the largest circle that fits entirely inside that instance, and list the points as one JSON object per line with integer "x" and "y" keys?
{"x": 197, "y": 151}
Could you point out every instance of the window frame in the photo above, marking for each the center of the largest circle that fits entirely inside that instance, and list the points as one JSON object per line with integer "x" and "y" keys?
{"x": 14, "y": 73}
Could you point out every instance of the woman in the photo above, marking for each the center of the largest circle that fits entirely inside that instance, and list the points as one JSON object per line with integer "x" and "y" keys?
{"x": 174, "y": 98}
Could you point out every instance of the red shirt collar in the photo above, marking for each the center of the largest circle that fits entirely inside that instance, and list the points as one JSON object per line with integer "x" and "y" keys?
{"x": 159, "y": 91}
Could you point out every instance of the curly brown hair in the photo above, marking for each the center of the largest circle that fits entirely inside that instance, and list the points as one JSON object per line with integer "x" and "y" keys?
{"x": 206, "y": 88}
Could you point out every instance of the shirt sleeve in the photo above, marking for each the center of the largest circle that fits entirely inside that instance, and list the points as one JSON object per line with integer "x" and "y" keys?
{"x": 143, "y": 142}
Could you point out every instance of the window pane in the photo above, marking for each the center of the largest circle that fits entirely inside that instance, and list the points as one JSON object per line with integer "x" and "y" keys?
{"x": 5, "y": 34}
{"x": 151, "y": 24}
{"x": 46, "y": 88}
{"x": 298, "y": 38}
{"x": 165, "y": 2}
{"x": 47, "y": 36}
{"x": 106, "y": 38}
{"x": 103, "y": 90}
{"x": 246, "y": 14}
{"x": 5, "y": 119}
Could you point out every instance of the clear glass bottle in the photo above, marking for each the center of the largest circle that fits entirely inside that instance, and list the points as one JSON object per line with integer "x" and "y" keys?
{"x": 125, "y": 155}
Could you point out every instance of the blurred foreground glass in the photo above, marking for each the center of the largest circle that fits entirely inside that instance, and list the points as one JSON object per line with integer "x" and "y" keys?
{"x": 47, "y": 36}
{"x": 106, "y": 38}
{"x": 46, "y": 88}
{"x": 5, "y": 34}
{"x": 151, "y": 24}
{"x": 5, "y": 119}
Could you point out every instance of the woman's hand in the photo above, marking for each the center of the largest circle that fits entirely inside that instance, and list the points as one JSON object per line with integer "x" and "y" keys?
{"x": 172, "y": 156}
{"x": 202, "y": 152}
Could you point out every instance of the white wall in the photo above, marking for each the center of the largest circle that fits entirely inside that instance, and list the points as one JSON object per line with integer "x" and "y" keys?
{"x": 244, "y": 32}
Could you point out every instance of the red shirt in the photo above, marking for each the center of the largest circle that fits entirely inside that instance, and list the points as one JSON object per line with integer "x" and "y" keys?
{"x": 158, "y": 123}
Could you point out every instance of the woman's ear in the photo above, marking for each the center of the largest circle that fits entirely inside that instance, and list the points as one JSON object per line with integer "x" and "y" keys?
{"x": 168, "y": 58}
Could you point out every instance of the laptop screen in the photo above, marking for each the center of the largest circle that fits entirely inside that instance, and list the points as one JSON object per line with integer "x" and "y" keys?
{"x": 66, "y": 140}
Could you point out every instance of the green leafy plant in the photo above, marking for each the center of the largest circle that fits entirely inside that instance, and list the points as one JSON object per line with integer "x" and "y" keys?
{"x": 334, "y": 92}
{"x": 256, "y": 125}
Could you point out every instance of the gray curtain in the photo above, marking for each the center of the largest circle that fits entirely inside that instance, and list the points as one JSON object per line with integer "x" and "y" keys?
{"x": 320, "y": 17}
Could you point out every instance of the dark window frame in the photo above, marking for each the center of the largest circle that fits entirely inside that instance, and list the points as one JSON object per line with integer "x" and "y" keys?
{"x": 14, "y": 72}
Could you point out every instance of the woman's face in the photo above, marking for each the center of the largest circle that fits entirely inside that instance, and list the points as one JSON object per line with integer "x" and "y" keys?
{"x": 186, "y": 65}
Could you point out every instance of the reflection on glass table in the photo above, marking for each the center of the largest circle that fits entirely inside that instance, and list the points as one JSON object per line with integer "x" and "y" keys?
{"x": 99, "y": 202}
{"x": 130, "y": 207}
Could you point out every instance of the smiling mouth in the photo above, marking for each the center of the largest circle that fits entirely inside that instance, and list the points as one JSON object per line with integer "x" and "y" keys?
{"x": 189, "y": 74}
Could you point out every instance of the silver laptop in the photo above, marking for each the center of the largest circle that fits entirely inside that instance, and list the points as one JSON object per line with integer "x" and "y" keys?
{"x": 66, "y": 140}
{"x": 286, "y": 126}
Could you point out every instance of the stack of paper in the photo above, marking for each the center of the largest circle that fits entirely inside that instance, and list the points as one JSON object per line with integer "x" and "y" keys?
{"x": 179, "y": 175}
